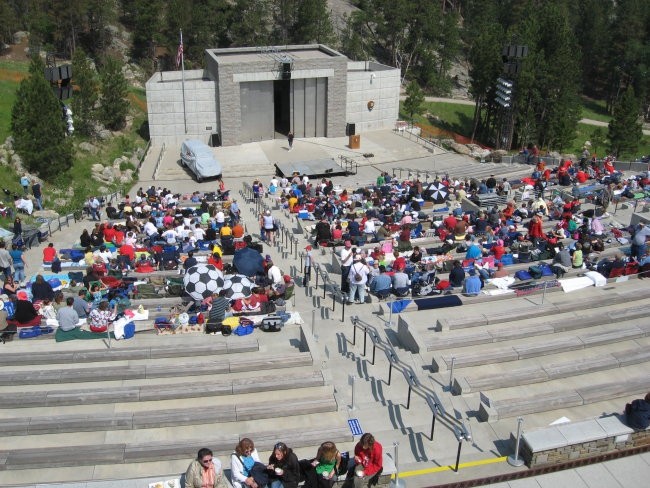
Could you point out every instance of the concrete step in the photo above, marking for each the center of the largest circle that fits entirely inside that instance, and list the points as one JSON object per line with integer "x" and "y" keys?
{"x": 155, "y": 392}
{"x": 493, "y": 410}
{"x": 520, "y": 350}
{"x": 141, "y": 371}
{"x": 54, "y": 424}
{"x": 181, "y": 448}
{"x": 128, "y": 353}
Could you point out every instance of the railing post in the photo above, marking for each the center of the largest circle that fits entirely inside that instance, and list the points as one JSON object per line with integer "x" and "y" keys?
{"x": 515, "y": 460}
{"x": 451, "y": 372}
{"x": 433, "y": 424}
{"x": 396, "y": 482}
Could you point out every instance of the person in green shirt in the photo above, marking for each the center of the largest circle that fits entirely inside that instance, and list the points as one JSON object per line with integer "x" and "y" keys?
{"x": 321, "y": 472}
{"x": 577, "y": 258}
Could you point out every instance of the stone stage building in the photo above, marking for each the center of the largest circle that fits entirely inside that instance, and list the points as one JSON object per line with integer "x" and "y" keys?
{"x": 253, "y": 94}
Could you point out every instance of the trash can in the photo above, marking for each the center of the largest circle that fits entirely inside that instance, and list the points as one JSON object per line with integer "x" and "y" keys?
{"x": 355, "y": 141}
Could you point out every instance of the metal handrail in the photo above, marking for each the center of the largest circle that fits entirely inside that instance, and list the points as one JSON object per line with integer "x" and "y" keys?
{"x": 158, "y": 161}
{"x": 434, "y": 403}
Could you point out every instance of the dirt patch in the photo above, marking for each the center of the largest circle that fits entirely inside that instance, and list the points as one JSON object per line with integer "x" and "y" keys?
{"x": 17, "y": 52}
{"x": 138, "y": 101}
{"x": 15, "y": 76}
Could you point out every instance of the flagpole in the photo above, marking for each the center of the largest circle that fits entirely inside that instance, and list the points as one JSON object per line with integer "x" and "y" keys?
{"x": 183, "y": 79}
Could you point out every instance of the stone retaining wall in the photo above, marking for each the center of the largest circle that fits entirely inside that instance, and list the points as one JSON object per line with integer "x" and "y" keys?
{"x": 579, "y": 440}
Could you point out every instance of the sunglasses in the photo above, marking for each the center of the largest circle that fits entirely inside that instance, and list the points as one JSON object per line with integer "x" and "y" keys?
{"x": 204, "y": 461}
{"x": 280, "y": 445}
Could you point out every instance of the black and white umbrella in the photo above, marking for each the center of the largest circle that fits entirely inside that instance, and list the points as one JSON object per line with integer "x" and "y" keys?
{"x": 437, "y": 192}
{"x": 237, "y": 286}
{"x": 202, "y": 281}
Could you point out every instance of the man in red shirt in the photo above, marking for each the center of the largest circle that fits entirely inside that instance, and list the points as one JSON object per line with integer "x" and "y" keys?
{"x": 49, "y": 253}
{"x": 118, "y": 237}
{"x": 581, "y": 176}
{"x": 109, "y": 233}
{"x": 127, "y": 250}
{"x": 450, "y": 222}
{"x": 400, "y": 262}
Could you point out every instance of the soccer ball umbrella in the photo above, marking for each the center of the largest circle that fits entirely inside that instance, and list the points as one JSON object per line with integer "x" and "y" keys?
{"x": 203, "y": 281}
{"x": 237, "y": 286}
{"x": 437, "y": 192}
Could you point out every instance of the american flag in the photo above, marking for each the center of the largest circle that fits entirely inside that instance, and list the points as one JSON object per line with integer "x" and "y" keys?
{"x": 179, "y": 55}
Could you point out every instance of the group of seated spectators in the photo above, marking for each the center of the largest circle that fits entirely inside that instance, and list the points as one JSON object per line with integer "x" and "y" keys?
{"x": 284, "y": 470}
{"x": 494, "y": 232}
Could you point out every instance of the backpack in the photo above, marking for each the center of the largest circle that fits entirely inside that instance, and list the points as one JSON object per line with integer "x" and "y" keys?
{"x": 146, "y": 290}
{"x": 535, "y": 272}
{"x": 175, "y": 289}
{"x": 56, "y": 265}
{"x": 638, "y": 414}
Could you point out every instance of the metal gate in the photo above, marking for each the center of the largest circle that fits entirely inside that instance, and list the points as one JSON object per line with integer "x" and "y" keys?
{"x": 257, "y": 123}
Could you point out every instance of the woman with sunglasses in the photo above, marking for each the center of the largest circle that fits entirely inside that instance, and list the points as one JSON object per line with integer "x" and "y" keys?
{"x": 284, "y": 468}
{"x": 205, "y": 471}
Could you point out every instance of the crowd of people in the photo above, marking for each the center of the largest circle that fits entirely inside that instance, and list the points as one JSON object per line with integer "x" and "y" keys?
{"x": 155, "y": 231}
{"x": 285, "y": 470}
{"x": 384, "y": 214}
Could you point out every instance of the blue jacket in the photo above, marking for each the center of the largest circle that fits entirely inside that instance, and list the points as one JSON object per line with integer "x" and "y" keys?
{"x": 472, "y": 285}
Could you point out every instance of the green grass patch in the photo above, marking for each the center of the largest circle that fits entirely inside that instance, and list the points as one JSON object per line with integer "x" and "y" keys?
{"x": 585, "y": 132}
{"x": 11, "y": 65}
{"x": 7, "y": 96}
{"x": 595, "y": 110}
{"x": 454, "y": 117}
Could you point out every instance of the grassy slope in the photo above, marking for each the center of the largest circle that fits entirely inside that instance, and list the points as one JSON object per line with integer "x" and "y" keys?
{"x": 11, "y": 72}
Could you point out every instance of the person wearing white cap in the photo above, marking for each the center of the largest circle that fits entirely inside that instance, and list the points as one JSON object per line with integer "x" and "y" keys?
{"x": 268, "y": 227}
{"x": 358, "y": 277}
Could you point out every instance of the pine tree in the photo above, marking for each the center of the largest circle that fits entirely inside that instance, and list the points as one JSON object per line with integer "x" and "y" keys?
{"x": 313, "y": 23}
{"x": 250, "y": 23}
{"x": 414, "y": 99}
{"x": 84, "y": 99}
{"x": 625, "y": 130}
{"x": 114, "y": 92}
{"x": 38, "y": 127}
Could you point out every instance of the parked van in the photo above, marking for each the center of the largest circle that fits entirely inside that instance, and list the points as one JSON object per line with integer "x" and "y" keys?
{"x": 198, "y": 157}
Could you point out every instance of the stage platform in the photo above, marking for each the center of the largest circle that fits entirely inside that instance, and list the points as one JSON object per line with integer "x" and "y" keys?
{"x": 313, "y": 168}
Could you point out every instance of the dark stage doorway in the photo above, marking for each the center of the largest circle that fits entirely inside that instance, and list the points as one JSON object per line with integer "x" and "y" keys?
{"x": 282, "y": 106}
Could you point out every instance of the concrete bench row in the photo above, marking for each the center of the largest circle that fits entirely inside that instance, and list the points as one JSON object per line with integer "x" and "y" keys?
{"x": 234, "y": 346}
{"x": 508, "y": 315}
{"x": 239, "y": 412}
{"x": 142, "y": 371}
{"x": 518, "y": 331}
{"x": 552, "y": 345}
{"x": 511, "y": 407}
{"x": 156, "y": 392}
{"x": 115, "y": 454}
{"x": 553, "y": 371}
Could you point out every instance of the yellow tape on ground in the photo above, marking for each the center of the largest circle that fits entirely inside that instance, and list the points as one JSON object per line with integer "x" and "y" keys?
{"x": 438, "y": 469}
